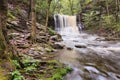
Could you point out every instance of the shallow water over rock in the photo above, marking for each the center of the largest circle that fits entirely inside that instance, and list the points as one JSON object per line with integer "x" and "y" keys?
{"x": 91, "y": 57}
{"x": 98, "y": 60}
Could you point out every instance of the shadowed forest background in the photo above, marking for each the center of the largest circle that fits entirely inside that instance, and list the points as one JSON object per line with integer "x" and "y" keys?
{"x": 28, "y": 42}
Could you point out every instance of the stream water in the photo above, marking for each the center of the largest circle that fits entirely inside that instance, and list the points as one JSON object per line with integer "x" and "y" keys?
{"x": 90, "y": 57}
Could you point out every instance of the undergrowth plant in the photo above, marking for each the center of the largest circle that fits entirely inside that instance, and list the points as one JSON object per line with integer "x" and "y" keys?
{"x": 16, "y": 75}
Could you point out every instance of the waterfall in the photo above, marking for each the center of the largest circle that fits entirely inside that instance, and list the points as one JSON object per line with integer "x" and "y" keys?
{"x": 65, "y": 24}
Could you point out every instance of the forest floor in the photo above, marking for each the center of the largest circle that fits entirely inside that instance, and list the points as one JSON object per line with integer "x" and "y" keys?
{"x": 37, "y": 60}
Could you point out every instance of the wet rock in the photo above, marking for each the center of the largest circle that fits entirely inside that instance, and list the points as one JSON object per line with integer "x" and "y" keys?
{"x": 13, "y": 35}
{"x": 75, "y": 41}
{"x": 44, "y": 58}
{"x": 23, "y": 46}
{"x": 58, "y": 45}
{"x": 69, "y": 48}
{"x": 41, "y": 53}
{"x": 36, "y": 53}
{"x": 31, "y": 51}
{"x": 22, "y": 36}
{"x": 15, "y": 22}
{"x": 17, "y": 34}
{"x": 41, "y": 39}
{"x": 48, "y": 50}
{"x": 54, "y": 38}
{"x": 39, "y": 49}
{"x": 40, "y": 27}
{"x": 42, "y": 33}
{"x": 59, "y": 37}
{"x": 91, "y": 69}
{"x": 80, "y": 46}
{"x": 28, "y": 36}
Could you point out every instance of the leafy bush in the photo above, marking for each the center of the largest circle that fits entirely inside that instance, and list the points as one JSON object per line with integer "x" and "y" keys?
{"x": 16, "y": 63}
{"x": 16, "y": 75}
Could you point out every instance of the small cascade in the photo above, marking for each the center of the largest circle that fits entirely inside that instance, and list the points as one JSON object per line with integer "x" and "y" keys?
{"x": 65, "y": 24}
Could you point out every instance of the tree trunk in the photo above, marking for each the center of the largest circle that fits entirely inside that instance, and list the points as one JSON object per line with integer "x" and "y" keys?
{"x": 119, "y": 5}
{"x": 47, "y": 14}
{"x": 71, "y": 6}
{"x": 117, "y": 2}
{"x": 107, "y": 8}
{"x": 33, "y": 21}
{"x": 3, "y": 33}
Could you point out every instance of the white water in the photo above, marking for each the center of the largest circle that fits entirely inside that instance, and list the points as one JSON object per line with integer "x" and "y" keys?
{"x": 66, "y": 25}
{"x": 102, "y": 54}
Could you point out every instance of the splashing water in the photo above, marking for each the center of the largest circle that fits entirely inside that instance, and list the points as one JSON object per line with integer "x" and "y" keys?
{"x": 66, "y": 25}
{"x": 98, "y": 60}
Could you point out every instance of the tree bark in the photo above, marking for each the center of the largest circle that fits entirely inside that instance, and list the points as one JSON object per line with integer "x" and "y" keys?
{"x": 47, "y": 13}
{"x": 33, "y": 21}
{"x": 119, "y": 5}
{"x": 3, "y": 33}
{"x": 107, "y": 8}
{"x": 71, "y": 6}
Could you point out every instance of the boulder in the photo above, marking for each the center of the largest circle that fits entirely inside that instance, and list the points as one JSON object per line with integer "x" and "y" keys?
{"x": 41, "y": 33}
{"x": 23, "y": 46}
{"x": 69, "y": 48}
{"x": 80, "y": 46}
{"x": 58, "y": 46}
{"x": 54, "y": 38}
{"x": 41, "y": 39}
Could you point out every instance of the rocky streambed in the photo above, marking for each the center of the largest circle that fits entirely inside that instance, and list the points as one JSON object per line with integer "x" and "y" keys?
{"x": 91, "y": 57}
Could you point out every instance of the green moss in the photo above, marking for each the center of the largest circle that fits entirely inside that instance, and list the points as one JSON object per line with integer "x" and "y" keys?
{"x": 51, "y": 32}
{"x": 57, "y": 71}
{"x": 2, "y": 75}
{"x": 42, "y": 70}
{"x": 11, "y": 16}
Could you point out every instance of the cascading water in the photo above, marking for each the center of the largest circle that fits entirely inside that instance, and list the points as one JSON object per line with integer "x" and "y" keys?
{"x": 65, "y": 24}
{"x": 92, "y": 59}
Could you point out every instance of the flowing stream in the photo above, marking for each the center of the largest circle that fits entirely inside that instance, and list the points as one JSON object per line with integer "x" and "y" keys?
{"x": 89, "y": 55}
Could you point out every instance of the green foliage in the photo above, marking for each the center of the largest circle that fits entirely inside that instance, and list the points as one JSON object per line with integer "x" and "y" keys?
{"x": 108, "y": 19}
{"x": 12, "y": 36}
{"x": 51, "y": 32}
{"x": 57, "y": 70}
{"x": 56, "y": 6}
{"x": 29, "y": 63}
{"x": 30, "y": 68}
{"x": 16, "y": 63}
{"x": 88, "y": 1}
{"x": 117, "y": 27}
{"x": 58, "y": 75}
{"x": 16, "y": 75}
{"x": 89, "y": 19}
{"x": 66, "y": 7}
{"x": 96, "y": 17}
